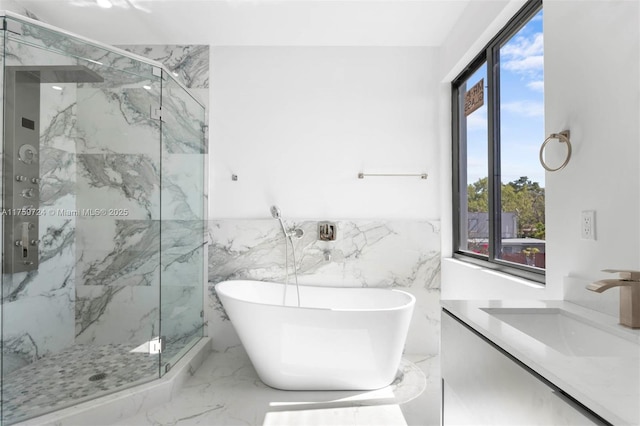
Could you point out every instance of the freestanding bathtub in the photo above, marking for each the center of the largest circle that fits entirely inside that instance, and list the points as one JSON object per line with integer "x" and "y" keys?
{"x": 339, "y": 339}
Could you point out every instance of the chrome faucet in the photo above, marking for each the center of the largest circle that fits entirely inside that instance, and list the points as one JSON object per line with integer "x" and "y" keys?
{"x": 629, "y": 283}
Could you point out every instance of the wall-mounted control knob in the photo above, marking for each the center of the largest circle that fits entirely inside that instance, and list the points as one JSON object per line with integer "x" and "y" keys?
{"x": 35, "y": 242}
{"x": 18, "y": 243}
{"x": 20, "y": 178}
{"x": 35, "y": 180}
{"x": 327, "y": 231}
{"x": 27, "y": 193}
{"x": 27, "y": 154}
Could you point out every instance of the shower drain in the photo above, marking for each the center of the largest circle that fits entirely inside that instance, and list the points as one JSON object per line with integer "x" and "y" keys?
{"x": 97, "y": 377}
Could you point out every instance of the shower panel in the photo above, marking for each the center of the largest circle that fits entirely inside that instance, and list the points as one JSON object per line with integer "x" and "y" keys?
{"x": 22, "y": 163}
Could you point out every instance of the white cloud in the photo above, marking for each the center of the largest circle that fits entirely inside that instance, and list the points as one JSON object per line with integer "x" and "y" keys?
{"x": 524, "y": 46}
{"x": 525, "y": 108}
{"x": 530, "y": 64}
{"x": 524, "y": 55}
{"x": 536, "y": 86}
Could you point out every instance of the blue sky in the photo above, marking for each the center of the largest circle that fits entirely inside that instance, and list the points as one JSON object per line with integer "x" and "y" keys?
{"x": 522, "y": 109}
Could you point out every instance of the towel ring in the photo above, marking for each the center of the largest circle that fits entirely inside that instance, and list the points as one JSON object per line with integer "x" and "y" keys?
{"x": 562, "y": 137}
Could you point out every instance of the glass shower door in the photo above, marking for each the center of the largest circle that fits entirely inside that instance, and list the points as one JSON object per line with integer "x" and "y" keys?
{"x": 182, "y": 224}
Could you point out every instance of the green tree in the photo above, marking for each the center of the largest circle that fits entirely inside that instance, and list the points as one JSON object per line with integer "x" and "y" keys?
{"x": 478, "y": 196}
{"x": 522, "y": 196}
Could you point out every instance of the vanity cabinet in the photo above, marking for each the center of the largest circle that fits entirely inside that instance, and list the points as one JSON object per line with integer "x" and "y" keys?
{"x": 481, "y": 385}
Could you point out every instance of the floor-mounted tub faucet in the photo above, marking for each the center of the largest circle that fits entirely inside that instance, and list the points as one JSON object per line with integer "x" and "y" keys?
{"x": 629, "y": 283}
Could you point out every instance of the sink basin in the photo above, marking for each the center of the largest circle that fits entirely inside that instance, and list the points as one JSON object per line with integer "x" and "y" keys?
{"x": 565, "y": 332}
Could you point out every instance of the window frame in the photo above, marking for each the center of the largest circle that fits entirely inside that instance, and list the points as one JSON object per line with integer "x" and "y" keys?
{"x": 489, "y": 54}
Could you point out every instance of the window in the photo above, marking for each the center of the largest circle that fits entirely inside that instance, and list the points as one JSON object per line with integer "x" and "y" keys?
{"x": 498, "y": 125}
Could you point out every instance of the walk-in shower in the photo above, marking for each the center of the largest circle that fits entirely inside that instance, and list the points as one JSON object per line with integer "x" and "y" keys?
{"x": 103, "y": 163}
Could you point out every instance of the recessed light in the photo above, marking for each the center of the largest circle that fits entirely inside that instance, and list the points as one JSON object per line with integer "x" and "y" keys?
{"x": 56, "y": 87}
{"x": 146, "y": 87}
{"x": 106, "y": 4}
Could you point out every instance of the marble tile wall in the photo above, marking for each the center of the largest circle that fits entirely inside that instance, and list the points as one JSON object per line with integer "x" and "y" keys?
{"x": 16, "y": 7}
{"x": 38, "y": 306}
{"x": 399, "y": 254}
{"x": 118, "y": 161}
{"x": 184, "y": 158}
{"x": 189, "y": 64}
{"x": 120, "y": 266}
{"x": 183, "y": 180}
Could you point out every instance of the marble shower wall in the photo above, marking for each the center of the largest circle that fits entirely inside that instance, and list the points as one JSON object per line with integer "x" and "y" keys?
{"x": 121, "y": 263}
{"x": 189, "y": 64}
{"x": 398, "y": 254}
{"x": 38, "y": 306}
{"x": 184, "y": 187}
{"x": 118, "y": 160}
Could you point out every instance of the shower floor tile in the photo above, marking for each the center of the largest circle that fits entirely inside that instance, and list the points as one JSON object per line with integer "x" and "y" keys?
{"x": 76, "y": 374}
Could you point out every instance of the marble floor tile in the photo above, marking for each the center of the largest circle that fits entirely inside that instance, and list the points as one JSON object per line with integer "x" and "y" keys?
{"x": 424, "y": 410}
{"x": 226, "y": 390}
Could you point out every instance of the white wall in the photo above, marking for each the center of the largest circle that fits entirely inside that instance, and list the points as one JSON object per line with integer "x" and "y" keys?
{"x": 592, "y": 86}
{"x": 297, "y": 124}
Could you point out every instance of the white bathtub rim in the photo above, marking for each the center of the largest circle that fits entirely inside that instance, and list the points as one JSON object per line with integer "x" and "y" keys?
{"x": 411, "y": 302}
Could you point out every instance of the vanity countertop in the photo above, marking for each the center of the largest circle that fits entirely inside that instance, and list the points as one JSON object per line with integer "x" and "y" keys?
{"x": 608, "y": 385}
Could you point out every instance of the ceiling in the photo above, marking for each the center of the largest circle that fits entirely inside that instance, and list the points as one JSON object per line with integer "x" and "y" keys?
{"x": 256, "y": 22}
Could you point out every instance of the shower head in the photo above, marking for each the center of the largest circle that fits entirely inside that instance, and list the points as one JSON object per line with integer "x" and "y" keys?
{"x": 56, "y": 74}
{"x": 275, "y": 212}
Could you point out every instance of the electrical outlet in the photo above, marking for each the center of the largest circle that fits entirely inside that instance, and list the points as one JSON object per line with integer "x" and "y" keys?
{"x": 588, "y": 225}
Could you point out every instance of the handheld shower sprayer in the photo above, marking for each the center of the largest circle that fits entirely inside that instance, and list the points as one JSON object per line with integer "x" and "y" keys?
{"x": 275, "y": 212}
{"x": 294, "y": 232}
